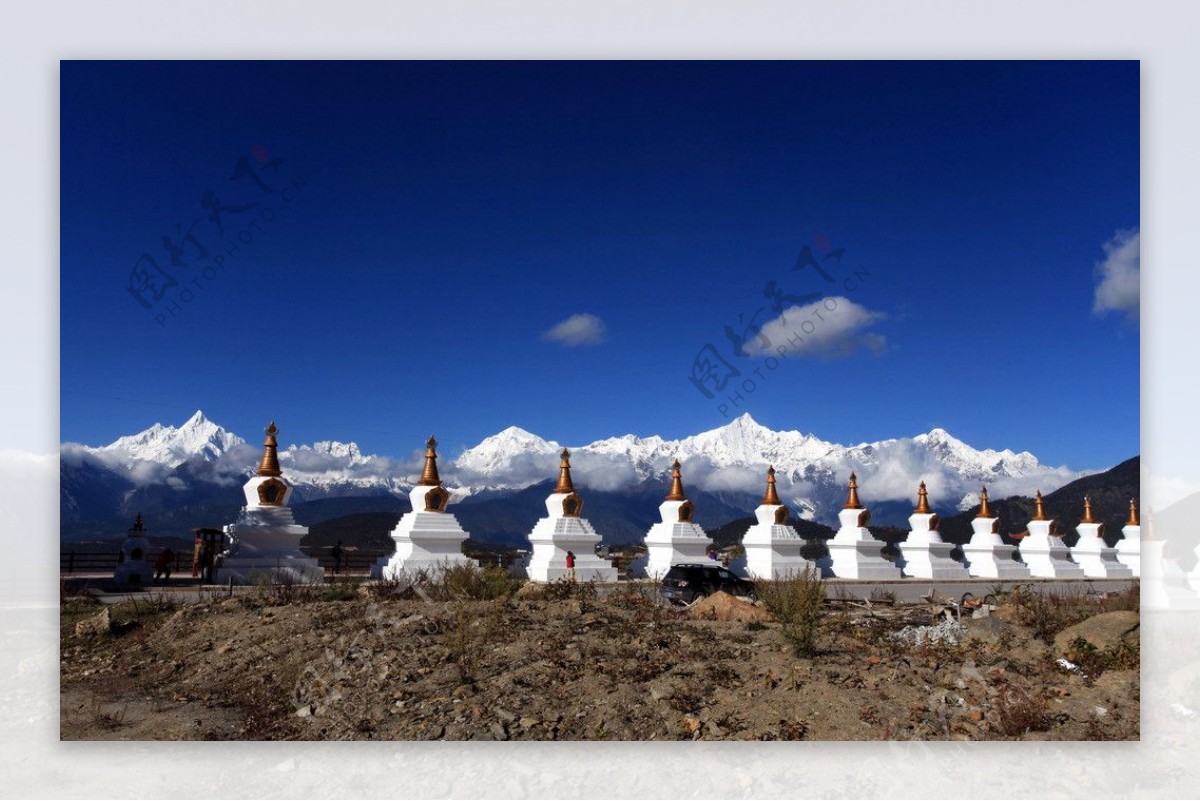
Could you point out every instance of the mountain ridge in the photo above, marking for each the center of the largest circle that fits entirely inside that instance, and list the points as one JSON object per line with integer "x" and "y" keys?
{"x": 200, "y": 466}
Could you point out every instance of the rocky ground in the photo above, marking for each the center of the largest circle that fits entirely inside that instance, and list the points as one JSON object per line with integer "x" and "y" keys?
{"x": 569, "y": 662}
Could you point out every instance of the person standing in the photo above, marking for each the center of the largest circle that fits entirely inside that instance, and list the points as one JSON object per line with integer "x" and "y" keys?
{"x": 207, "y": 558}
{"x": 168, "y": 566}
{"x": 571, "y": 565}
{"x": 337, "y": 558}
{"x": 161, "y": 566}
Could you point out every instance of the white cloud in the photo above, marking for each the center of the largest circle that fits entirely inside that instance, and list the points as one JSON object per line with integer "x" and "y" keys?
{"x": 578, "y": 329}
{"x": 1119, "y": 275}
{"x": 829, "y": 328}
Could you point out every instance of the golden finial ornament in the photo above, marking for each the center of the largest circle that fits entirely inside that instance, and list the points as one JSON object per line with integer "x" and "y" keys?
{"x": 137, "y": 524}
{"x": 1040, "y": 507}
{"x": 429, "y": 475}
{"x": 564, "y": 473}
{"x": 984, "y": 509}
{"x": 1088, "y": 517}
{"x": 852, "y": 501}
{"x": 269, "y": 464}
{"x": 771, "y": 498}
{"x": 1133, "y": 518}
{"x": 676, "y": 493}
{"x": 922, "y": 501}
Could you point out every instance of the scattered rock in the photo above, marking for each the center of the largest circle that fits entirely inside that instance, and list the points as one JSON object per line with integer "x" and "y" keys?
{"x": 948, "y": 631}
{"x": 1105, "y": 631}
{"x": 530, "y": 590}
{"x": 990, "y": 629}
{"x": 498, "y": 731}
{"x": 723, "y": 606}
{"x": 100, "y": 623}
{"x": 661, "y": 691}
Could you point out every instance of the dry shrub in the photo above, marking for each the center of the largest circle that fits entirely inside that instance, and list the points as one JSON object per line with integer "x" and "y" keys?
{"x": 1018, "y": 711}
{"x": 797, "y": 602}
{"x": 1048, "y": 613}
{"x": 567, "y": 589}
{"x": 473, "y": 627}
{"x": 461, "y": 582}
{"x": 1094, "y": 661}
{"x": 476, "y": 583}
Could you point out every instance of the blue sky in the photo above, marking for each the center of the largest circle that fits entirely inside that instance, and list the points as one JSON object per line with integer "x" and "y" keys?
{"x": 430, "y": 223}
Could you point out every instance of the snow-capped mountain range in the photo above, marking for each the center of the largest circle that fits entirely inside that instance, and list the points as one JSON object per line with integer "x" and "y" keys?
{"x": 728, "y": 462}
{"x": 173, "y": 446}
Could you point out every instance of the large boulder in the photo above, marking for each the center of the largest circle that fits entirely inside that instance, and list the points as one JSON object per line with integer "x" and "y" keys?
{"x": 100, "y": 623}
{"x": 723, "y": 606}
{"x": 1105, "y": 631}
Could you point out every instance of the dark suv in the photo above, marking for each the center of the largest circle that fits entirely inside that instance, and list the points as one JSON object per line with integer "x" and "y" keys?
{"x": 687, "y": 582}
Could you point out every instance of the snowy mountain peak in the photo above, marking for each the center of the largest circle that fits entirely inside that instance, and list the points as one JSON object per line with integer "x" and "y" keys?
{"x": 497, "y": 452}
{"x": 172, "y": 446}
{"x": 745, "y": 422}
{"x": 195, "y": 421}
{"x": 341, "y": 450}
{"x": 514, "y": 433}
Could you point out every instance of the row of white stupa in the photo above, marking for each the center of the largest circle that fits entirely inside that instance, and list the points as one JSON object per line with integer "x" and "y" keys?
{"x": 266, "y": 539}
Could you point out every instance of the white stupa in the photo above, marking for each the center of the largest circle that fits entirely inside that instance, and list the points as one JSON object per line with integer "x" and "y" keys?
{"x": 1193, "y": 578}
{"x": 1043, "y": 550}
{"x": 135, "y": 568}
{"x": 772, "y": 546}
{"x": 853, "y": 552}
{"x": 987, "y": 555}
{"x": 1164, "y": 584}
{"x": 1091, "y": 552}
{"x": 428, "y": 538}
{"x": 676, "y": 539}
{"x": 924, "y": 554}
{"x": 1129, "y": 547}
{"x": 265, "y": 540}
{"x": 563, "y": 530}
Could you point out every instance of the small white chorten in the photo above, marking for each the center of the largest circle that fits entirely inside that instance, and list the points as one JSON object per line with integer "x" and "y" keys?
{"x": 1043, "y": 550}
{"x": 1164, "y": 584}
{"x": 987, "y": 555}
{"x": 265, "y": 540}
{"x": 853, "y": 552}
{"x": 924, "y": 554}
{"x": 562, "y": 530}
{"x": 676, "y": 539}
{"x": 135, "y": 569}
{"x": 428, "y": 538}
{"x": 1129, "y": 547}
{"x": 772, "y": 546}
{"x": 1091, "y": 553}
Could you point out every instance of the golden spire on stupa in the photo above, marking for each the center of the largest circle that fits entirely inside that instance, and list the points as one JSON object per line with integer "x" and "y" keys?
{"x": 1088, "y": 517}
{"x": 852, "y": 500}
{"x": 564, "y": 473}
{"x": 984, "y": 509}
{"x": 922, "y": 501}
{"x": 1040, "y": 508}
{"x": 771, "y": 497}
{"x": 269, "y": 464}
{"x": 676, "y": 493}
{"x": 1133, "y": 518}
{"x": 429, "y": 475}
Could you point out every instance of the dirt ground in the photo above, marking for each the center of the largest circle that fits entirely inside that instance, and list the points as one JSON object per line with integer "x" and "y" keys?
{"x": 347, "y": 662}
